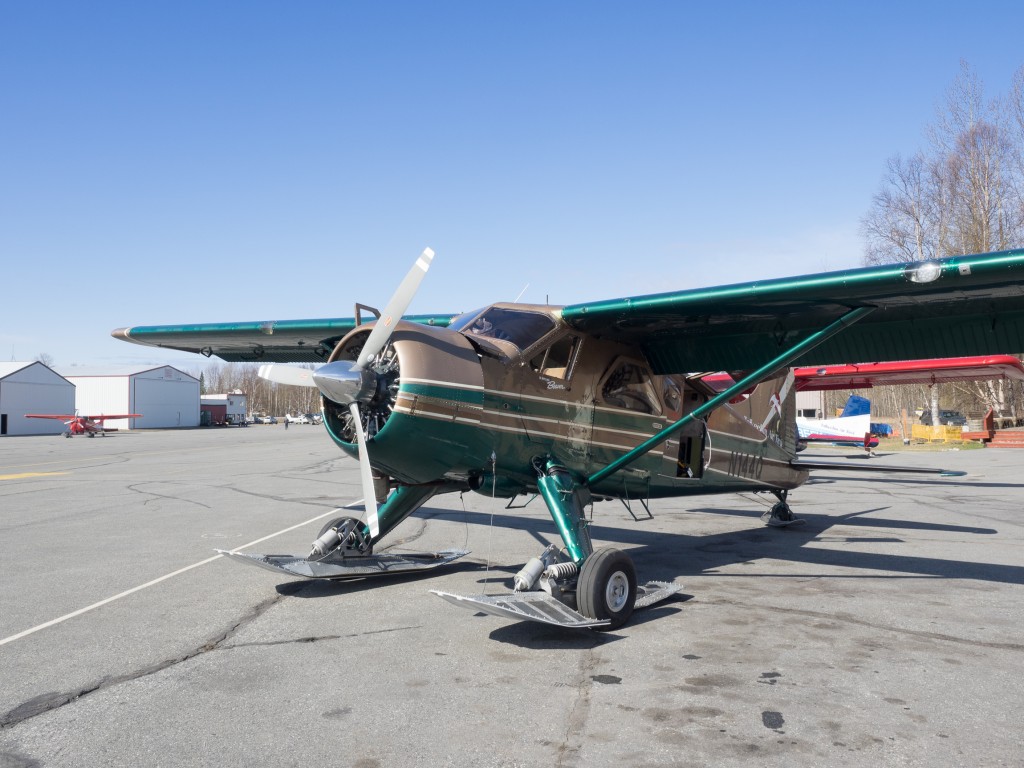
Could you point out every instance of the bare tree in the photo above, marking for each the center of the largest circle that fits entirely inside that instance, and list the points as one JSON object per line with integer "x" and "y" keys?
{"x": 962, "y": 195}
{"x": 904, "y": 223}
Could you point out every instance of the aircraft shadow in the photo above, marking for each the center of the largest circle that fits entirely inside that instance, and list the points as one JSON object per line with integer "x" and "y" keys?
{"x": 661, "y": 555}
{"x": 670, "y": 556}
{"x": 874, "y": 522}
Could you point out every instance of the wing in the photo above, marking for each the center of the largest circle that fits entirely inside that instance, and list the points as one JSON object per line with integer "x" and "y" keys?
{"x": 866, "y": 375}
{"x": 108, "y": 416}
{"x": 56, "y": 416}
{"x": 275, "y": 341}
{"x": 966, "y": 305}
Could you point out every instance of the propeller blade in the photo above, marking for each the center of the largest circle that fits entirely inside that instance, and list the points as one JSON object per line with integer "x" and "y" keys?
{"x": 395, "y": 308}
{"x": 287, "y": 374}
{"x": 365, "y": 473}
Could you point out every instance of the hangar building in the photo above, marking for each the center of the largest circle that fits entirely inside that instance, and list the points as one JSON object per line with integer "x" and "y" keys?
{"x": 33, "y": 388}
{"x": 231, "y": 407}
{"x": 165, "y": 396}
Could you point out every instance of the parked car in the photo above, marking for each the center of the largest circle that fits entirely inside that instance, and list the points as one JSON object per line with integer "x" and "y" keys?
{"x": 270, "y": 420}
{"x": 946, "y": 418}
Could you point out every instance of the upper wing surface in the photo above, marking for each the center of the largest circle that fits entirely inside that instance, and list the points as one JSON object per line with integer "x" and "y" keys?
{"x": 275, "y": 341}
{"x": 965, "y": 305}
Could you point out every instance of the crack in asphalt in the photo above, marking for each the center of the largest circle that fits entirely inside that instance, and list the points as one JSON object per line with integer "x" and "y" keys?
{"x": 317, "y": 501}
{"x": 317, "y": 638}
{"x": 134, "y": 488}
{"x": 579, "y": 712}
{"x": 48, "y": 702}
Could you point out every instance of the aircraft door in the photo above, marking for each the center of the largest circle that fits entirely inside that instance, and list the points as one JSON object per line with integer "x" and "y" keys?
{"x": 685, "y": 451}
{"x": 559, "y": 411}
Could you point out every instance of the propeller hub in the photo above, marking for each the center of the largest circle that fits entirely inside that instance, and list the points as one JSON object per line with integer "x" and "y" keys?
{"x": 344, "y": 382}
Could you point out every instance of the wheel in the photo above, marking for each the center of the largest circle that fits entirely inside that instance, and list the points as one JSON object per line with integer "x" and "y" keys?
{"x": 606, "y": 587}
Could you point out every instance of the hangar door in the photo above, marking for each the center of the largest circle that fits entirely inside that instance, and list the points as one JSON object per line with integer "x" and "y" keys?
{"x": 165, "y": 403}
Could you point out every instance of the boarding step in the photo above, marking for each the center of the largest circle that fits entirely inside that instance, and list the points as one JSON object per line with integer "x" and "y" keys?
{"x": 1007, "y": 438}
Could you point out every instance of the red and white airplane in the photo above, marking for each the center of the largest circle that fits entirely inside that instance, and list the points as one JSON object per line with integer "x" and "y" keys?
{"x": 84, "y": 425}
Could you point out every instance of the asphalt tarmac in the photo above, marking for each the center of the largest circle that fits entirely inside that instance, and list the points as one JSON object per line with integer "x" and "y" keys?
{"x": 885, "y": 630}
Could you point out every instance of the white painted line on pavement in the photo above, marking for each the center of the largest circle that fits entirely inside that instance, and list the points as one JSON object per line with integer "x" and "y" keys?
{"x": 133, "y": 590}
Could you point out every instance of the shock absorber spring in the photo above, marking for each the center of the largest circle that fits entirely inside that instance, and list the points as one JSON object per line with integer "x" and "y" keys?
{"x": 560, "y": 571}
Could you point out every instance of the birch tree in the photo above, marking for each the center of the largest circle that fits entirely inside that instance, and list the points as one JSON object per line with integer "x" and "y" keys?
{"x": 960, "y": 195}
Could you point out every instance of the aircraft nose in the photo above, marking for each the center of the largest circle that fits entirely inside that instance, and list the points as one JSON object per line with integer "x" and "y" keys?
{"x": 344, "y": 383}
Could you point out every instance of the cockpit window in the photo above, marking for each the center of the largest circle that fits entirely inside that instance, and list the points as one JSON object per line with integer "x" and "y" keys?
{"x": 556, "y": 360}
{"x": 520, "y": 328}
{"x": 460, "y": 322}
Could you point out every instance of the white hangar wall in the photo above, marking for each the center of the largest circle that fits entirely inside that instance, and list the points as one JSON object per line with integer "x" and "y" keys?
{"x": 165, "y": 396}
{"x": 33, "y": 388}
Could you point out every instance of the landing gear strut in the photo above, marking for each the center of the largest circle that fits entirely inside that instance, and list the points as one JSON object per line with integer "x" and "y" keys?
{"x": 605, "y": 580}
{"x": 577, "y": 586}
{"x": 780, "y": 515}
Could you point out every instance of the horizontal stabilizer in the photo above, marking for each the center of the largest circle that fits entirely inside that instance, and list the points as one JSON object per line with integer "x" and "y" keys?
{"x": 821, "y": 466}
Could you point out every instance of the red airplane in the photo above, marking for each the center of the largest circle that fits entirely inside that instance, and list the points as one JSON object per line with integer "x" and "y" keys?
{"x": 84, "y": 425}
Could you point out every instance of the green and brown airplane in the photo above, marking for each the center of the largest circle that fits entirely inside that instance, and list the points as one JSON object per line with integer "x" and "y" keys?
{"x": 596, "y": 401}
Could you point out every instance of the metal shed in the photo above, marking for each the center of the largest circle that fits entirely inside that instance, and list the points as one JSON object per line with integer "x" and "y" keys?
{"x": 33, "y": 388}
{"x": 165, "y": 396}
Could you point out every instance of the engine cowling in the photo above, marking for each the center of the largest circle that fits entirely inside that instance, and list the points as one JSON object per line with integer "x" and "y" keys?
{"x": 420, "y": 410}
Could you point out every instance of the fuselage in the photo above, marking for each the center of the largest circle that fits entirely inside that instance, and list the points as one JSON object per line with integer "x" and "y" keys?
{"x": 478, "y": 401}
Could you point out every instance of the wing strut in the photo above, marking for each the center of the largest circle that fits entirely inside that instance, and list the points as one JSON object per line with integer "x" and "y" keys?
{"x": 766, "y": 371}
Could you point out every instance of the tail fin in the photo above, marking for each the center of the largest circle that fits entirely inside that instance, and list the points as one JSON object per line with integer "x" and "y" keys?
{"x": 773, "y": 409}
{"x": 767, "y": 415}
{"x": 856, "y": 406}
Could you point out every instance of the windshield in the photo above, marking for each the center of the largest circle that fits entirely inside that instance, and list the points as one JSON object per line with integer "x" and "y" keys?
{"x": 520, "y": 328}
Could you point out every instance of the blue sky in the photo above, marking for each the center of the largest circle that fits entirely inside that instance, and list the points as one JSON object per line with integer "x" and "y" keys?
{"x": 204, "y": 162}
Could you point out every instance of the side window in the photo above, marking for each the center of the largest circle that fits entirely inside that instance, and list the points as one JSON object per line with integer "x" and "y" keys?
{"x": 556, "y": 361}
{"x": 629, "y": 386}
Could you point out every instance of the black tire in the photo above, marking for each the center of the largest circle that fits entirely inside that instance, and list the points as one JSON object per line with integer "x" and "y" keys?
{"x": 606, "y": 587}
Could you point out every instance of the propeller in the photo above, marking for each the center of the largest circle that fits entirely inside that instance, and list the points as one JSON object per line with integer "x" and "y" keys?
{"x": 286, "y": 374}
{"x": 365, "y": 473}
{"x": 395, "y": 308}
{"x": 351, "y": 383}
